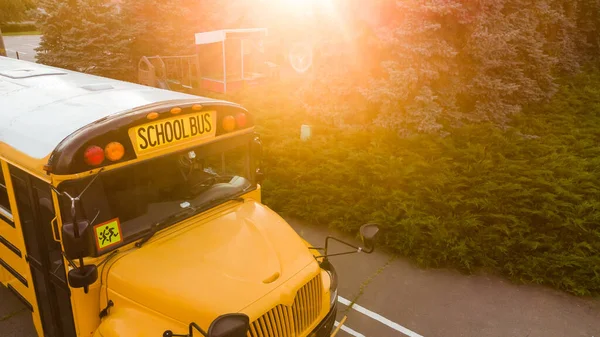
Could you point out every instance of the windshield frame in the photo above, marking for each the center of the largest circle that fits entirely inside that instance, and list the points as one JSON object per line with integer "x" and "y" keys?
{"x": 210, "y": 148}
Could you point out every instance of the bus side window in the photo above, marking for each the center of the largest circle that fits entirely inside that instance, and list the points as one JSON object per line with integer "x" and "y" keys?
{"x": 40, "y": 224}
{"x": 25, "y": 214}
{"x": 5, "y": 211}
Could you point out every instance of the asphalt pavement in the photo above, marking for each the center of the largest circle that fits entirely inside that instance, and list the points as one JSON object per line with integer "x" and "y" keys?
{"x": 396, "y": 298}
{"x": 22, "y": 46}
{"x": 15, "y": 318}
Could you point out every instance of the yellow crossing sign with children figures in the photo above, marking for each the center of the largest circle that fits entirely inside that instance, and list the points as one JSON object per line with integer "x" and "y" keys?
{"x": 108, "y": 233}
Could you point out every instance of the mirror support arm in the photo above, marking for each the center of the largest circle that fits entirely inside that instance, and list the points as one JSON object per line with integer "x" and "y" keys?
{"x": 338, "y": 240}
{"x": 357, "y": 249}
{"x": 344, "y": 253}
{"x": 191, "y": 328}
{"x": 194, "y": 325}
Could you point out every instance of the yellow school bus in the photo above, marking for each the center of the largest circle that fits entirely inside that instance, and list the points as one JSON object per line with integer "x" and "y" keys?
{"x": 132, "y": 211}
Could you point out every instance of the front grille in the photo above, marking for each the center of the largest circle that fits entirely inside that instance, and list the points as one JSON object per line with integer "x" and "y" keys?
{"x": 286, "y": 321}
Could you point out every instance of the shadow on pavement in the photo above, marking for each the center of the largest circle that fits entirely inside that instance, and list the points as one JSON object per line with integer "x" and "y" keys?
{"x": 15, "y": 318}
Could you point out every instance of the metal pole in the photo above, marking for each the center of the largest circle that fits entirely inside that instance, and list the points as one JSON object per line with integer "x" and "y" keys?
{"x": 2, "y": 47}
{"x": 224, "y": 69}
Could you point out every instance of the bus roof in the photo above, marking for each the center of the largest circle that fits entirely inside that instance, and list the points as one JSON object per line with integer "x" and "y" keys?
{"x": 42, "y": 105}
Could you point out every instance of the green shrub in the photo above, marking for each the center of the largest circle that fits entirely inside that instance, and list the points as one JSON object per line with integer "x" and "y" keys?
{"x": 18, "y": 27}
{"x": 524, "y": 202}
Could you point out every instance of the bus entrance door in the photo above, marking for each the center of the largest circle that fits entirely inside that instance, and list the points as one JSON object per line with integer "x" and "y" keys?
{"x": 14, "y": 271}
{"x": 36, "y": 212}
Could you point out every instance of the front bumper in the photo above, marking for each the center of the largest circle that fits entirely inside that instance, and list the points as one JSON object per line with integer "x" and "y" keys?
{"x": 326, "y": 326}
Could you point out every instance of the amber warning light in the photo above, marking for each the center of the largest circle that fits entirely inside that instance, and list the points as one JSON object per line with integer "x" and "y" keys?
{"x": 114, "y": 151}
{"x": 230, "y": 123}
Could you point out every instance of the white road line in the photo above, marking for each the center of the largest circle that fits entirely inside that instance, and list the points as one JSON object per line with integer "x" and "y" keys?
{"x": 379, "y": 318}
{"x": 16, "y": 51}
{"x": 348, "y": 330}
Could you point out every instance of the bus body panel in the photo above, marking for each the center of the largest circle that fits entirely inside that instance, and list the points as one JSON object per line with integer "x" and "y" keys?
{"x": 63, "y": 102}
{"x": 229, "y": 260}
{"x": 45, "y": 108}
{"x": 13, "y": 255}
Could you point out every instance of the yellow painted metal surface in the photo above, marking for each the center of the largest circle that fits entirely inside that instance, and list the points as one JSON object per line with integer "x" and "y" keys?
{"x": 137, "y": 322}
{"x": 5, "y": 276}
{"x": 236, "y": 257}
{"x": 86, "y": 309}
{"x": 33, "y": 166}
{"x": 216, "y": 265}
{"x": 220, "y": 261}
{"x": 15, "y": 236}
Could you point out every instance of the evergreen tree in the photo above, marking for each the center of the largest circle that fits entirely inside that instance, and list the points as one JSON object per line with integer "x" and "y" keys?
{"x": 160, "y": 27}
{"x": 343, "y": 59}
{"x": 511, "y": 61}
{"x": 443, "y": 63}
{"x": 588, "y": 25}
{"x": 86, "y": 36}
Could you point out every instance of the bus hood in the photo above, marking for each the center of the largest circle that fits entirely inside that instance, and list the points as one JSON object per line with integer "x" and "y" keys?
{"x": 221, "y": 263}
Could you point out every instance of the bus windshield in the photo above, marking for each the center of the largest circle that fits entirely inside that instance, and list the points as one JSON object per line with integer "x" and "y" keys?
{"x": 142, "y": 194}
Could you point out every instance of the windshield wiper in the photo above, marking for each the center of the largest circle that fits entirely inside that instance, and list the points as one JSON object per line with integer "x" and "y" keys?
{"x": 157, "y": 226}
{"x": 207, "y": 183}
{"x": 183, "y": 213}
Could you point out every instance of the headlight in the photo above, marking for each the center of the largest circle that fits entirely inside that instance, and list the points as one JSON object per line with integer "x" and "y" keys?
{"x": 333, "y": 284}
{"x": 333, "y": 295}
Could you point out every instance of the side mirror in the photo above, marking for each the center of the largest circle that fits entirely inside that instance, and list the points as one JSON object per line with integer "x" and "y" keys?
{"x": 74, "y": 236}
{"x": 75, "y": 239}
{"x": 368, "y": 233}
{"x": 257, "y": 150}
{"x": 260, "y": 176}
{"x": 229, "y": 325}
{"x": 83, "y": 276}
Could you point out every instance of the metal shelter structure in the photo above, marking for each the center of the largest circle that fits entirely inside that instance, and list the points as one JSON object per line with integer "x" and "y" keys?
{"x": 228, "y": 58}
{"x": 169, "y": 72}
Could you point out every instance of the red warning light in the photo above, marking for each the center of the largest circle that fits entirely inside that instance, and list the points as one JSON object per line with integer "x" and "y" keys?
{"x": 93, "y": 155}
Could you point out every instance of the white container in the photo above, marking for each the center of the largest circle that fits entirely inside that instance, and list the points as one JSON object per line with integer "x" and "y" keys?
{"x": 305, "y": 132}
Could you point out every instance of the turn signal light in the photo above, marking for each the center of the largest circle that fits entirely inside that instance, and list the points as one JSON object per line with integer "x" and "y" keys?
{"x": 240, "y": 120}
{"x": 228, "y": 123}
{"x": 114, "y": 151}
{"x": 93, "y": 155}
